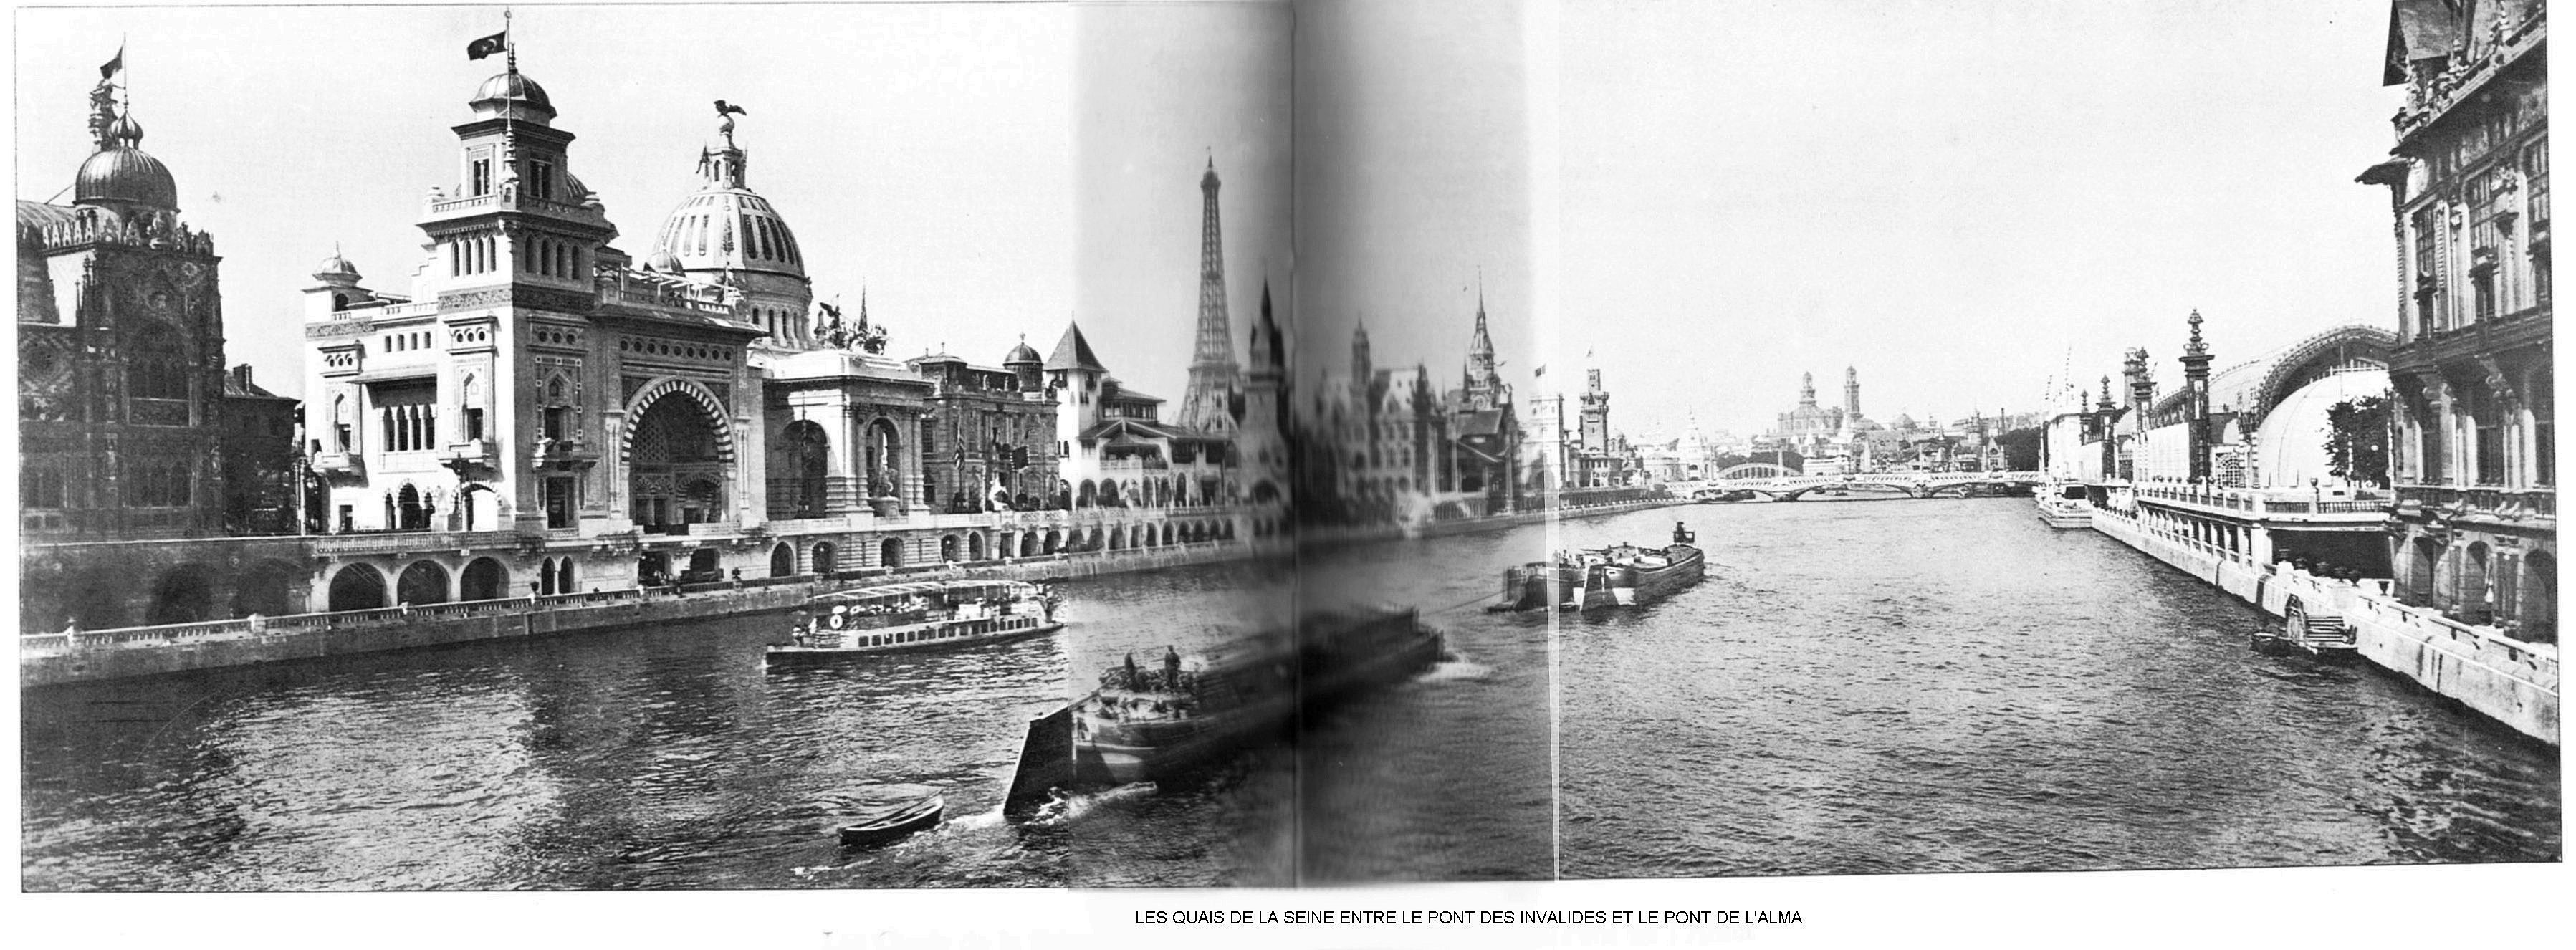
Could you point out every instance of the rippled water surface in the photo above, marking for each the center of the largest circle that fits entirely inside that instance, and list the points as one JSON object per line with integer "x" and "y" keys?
{"x": 667, "y": 757}
{"x": 1859, "y": 687}
{"x": 1892, "y": 686}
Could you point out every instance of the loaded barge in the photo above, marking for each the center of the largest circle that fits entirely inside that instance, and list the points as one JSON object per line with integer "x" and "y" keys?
{"x": 1169, "y": 717}
{"x": 1623, "y": 575}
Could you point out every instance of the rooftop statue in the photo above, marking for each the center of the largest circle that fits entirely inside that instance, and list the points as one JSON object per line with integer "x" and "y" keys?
{"x": 856, "y": 337}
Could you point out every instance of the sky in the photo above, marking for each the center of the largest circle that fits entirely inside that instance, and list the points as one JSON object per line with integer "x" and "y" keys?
{"x": 1959, "y": 199}
{"x": 1162, "y": 90}
{"x": 922, "y": 153}
{"x": 1413, "y": 182}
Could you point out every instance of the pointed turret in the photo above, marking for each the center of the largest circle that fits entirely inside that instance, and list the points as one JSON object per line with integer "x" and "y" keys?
{"x": 1484, "y": 380}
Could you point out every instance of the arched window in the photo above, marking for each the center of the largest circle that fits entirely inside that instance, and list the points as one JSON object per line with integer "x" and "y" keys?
{"x": 472, "y": 394}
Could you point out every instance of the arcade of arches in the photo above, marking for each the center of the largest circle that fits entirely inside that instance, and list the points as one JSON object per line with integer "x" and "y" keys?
{"x": 98, "y": 599}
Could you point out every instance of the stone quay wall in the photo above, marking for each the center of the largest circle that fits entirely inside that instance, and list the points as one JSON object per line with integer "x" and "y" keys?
{"x": 47, "y": 659}
{"x": 2510, "y": 681}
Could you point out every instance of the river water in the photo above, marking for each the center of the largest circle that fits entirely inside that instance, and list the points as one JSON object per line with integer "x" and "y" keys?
{"x": 1860, "y": 687}
{"x": 1948, "y": 685}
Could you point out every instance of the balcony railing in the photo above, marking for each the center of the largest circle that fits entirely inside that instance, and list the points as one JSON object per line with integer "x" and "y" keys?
{"x": 339, "y": 463}
{"x": 620, "y": 290}
{"x": 553, "y": 454}
{"x": 406, "y": 542}
{"x": 2505, "y": 503}
{"x": 474, "y": 451}
{"x": 2259, "y": 503}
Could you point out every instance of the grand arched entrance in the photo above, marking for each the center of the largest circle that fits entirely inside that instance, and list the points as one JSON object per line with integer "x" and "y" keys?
{"x": 676, "y": 463}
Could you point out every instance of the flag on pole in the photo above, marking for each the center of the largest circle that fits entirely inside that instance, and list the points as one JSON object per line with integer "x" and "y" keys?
{"x": 487, "y": 46}
{"x": 1540, "y": 371}
{"x": 109, "y": 69}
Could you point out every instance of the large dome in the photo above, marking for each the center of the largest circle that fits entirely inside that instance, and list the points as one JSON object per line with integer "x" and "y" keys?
{"x": 122, "y": 174}
{"x": 2290, "y": 446}
{"x": 729, "y": 228}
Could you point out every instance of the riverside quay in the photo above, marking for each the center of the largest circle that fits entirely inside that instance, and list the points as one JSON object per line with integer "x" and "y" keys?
{"x": 533, "y": 419}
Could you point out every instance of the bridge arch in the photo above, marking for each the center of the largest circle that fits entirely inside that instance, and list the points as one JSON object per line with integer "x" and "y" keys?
{"x": 1758, "y": 470}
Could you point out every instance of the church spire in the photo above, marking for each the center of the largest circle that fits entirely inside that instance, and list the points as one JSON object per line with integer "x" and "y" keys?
{"x": 1484, "y": 380}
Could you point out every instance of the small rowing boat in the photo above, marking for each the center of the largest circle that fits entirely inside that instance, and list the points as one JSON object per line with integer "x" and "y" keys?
{"x": 893, "y": 822}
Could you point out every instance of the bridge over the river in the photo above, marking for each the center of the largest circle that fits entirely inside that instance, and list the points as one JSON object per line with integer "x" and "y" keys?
{"x": 1781, "y": 484}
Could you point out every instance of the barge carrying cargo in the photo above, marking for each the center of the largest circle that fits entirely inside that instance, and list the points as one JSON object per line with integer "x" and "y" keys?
{"x": 1174, "y": 714}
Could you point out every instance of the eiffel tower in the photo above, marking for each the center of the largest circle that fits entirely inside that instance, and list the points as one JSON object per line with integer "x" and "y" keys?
{"x": 1213, "y": 371}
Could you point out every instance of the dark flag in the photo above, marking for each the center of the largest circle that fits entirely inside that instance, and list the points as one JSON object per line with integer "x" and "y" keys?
{"x": 723, "y": 109}
{"x": 115, "y": 63}
{"x": 488, "y": 45}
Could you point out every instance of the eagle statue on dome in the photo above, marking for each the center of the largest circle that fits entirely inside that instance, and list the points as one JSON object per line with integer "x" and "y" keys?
{"x": 724, "y": 119}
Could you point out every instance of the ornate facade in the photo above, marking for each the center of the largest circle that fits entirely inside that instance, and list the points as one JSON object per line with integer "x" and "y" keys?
{"x": 537, "y": 414}
{"x": 2474, "y": 529}
{"x": 988, "y": 441}
{"x": 532, "y": 381}
{"x": 123, "y": 405}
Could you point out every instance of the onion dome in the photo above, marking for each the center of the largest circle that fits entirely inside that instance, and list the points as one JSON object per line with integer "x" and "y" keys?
{"x": 124, "y": 174}
{"x": 1023, "y": 353}
{"x": 513, "y": 91}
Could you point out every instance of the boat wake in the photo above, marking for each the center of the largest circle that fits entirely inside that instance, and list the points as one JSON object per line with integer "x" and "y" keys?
{"x": 1064, "y": 809}
{"x": 1455, "y": 667}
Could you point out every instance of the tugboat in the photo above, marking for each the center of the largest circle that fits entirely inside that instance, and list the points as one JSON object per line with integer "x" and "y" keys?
{"x": 1168, "y": 716}
{"x": 916, "y": 616}
{"x": 1623, "y": 575}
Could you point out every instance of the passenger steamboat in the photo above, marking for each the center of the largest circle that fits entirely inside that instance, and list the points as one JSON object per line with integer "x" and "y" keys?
{"x": 921, "y": 615}
{"x": 2063, "y": 505}
{"x": 1174, "y": 713}
{"x": 1622, "y": 575}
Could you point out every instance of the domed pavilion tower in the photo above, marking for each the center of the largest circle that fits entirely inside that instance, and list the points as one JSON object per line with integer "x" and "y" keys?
{"x": 726, "y": 233}
{"x": 120, "y": 354}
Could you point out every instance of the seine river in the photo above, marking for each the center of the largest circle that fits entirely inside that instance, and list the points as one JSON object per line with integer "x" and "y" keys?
{"x": 1948, "y": 685}
{"x": 1860, "y": 687}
